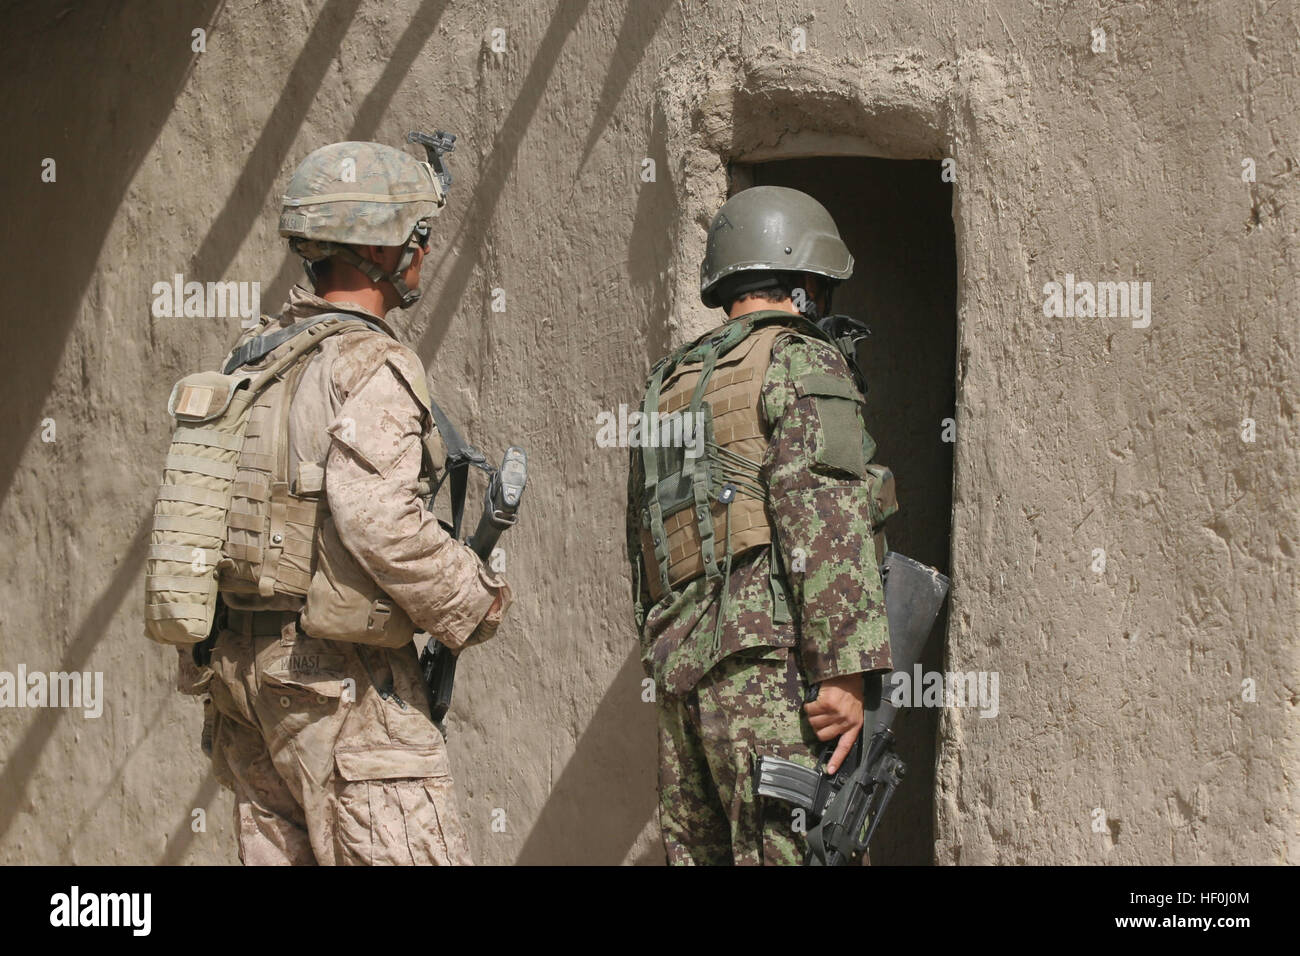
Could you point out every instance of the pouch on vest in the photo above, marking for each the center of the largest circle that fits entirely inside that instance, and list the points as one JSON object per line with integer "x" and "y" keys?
{"x": 189, "y": 524}
{"x": 345, "y": 604}
{"x": 839, "y": 441}
{"x": 884, "y": 503}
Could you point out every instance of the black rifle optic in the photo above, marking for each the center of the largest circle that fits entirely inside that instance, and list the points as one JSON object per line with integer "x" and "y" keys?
{"x": 500, "y": 511}
{"x": 437, "y": 146}
{"x": 846, "y": 807}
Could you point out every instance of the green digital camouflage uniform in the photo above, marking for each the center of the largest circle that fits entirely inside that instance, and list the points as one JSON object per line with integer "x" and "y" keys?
{"x": 719, "y": 709}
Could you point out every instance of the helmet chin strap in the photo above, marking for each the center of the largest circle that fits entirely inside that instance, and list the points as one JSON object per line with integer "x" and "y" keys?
{"x": 408, "y": 296}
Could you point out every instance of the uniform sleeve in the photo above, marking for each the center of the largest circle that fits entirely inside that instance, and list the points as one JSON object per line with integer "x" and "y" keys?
{"x": 820, "y": 500}
{"x": 371, "y": 480}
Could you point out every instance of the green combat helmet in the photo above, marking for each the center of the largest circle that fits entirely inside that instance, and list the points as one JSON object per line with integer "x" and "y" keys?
{"x": 769, "y": 229}
{"x": 361, "y": 194}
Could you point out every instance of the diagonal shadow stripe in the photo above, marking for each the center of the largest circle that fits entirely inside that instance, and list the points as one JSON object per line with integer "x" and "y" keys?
{"x": 22, "y": 760}
{"x": 640, "y": 24}
{"x": 422, "y": 25}
{"x": 261, "y": 170}
{"x": 89, "y": 812}
{"x": 607, "y": 790}
{"x": 98, "y": 133}
{"x": 491, "y": 185}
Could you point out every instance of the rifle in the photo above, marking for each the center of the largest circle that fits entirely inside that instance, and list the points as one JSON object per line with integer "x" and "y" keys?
{"x": 847, "y": 806}
{"x": 500, "y": 511}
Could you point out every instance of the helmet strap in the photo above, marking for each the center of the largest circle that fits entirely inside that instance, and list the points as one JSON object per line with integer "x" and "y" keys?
{"x": 408, "y": 296}
{"x": 376, "y": 275}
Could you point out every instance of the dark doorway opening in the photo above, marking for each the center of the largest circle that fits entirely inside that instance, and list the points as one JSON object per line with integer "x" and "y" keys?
{"x": 896, "y": 217}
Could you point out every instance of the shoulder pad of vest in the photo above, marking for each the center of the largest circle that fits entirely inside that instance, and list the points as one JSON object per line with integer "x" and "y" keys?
{"x": 723, "y": 338}
{"x": 682, "y": 351}
{"x": 264, "y": 324}
{"x": 731, "y": 335}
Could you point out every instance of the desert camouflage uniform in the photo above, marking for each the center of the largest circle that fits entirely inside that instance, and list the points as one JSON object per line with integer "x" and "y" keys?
{"x": 329, "y": 746}
{"x": 719, "y": 710}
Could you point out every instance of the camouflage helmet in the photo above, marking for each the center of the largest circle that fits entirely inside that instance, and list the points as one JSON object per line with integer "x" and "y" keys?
{"x": 767, "y": 229}
{"x": 361, "y": 194}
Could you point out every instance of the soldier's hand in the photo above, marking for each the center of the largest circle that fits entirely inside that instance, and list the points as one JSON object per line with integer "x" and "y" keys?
{"x": 837, "y": 712}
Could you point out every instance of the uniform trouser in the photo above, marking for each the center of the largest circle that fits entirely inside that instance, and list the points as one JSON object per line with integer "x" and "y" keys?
{"x": 329, "y": 750}
{"x": 749, "y": 705}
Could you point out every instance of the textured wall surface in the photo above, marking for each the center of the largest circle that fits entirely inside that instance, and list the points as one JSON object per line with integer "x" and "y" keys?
{"x": 1147, "y": 708}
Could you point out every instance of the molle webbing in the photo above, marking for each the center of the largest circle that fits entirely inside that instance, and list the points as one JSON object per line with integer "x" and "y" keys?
{"x": 681, "y": 494}
{"x": 270, "y": 531}
{"x": 223, "y": 501}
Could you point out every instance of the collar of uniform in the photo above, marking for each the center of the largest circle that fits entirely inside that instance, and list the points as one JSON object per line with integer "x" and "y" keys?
{"x": 304, "y": 303}
{"x": 763, "y": 314}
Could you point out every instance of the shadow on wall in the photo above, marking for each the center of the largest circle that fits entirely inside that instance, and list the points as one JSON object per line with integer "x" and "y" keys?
{"x": 650, "y": 245}
{"x": 475, "y": 224}
{"x": 184, "y": 833}
{"x": 266, "y": 164}
{"x": 451, "y": 277}
{"x": 405, "y": 52}
{"x": 97, "y": 133}
{"x": 121, "y": 115}
{"x": 22, "y": 759}
{"x": 596, "y": 811}
{"x": 640, "y": 23}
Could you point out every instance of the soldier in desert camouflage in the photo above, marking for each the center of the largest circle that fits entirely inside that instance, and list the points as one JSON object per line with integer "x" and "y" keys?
{"x": 319, "y": 719}
{"x": 755, "y": 554}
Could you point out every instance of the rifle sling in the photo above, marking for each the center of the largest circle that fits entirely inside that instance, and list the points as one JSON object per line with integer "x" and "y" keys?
{"x": 460, "y": 455}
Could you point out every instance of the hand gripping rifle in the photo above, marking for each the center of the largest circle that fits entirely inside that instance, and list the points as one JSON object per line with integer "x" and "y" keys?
{"x": 847, "y": 806}
{"x": 500, "y": 511}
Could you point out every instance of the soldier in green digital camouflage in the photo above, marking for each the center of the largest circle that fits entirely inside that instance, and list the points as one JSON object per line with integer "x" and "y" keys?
{"x": 754, "y": 529}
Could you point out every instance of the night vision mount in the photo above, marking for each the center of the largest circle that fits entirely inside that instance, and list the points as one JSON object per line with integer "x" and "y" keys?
{"x": 437, "y": 146}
